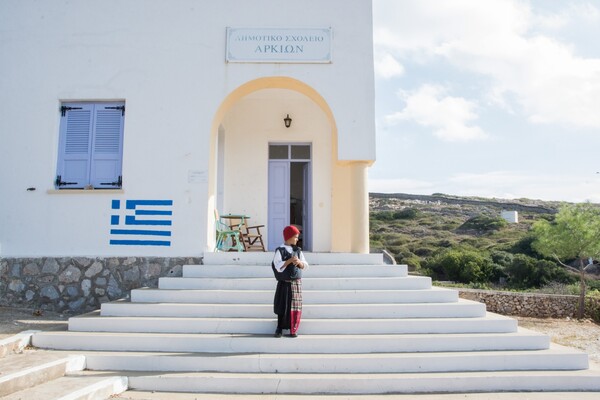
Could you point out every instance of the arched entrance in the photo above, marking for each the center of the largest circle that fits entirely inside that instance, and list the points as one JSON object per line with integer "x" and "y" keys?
{"x": 248, "y": 127}
{"x": 247, "y": 123}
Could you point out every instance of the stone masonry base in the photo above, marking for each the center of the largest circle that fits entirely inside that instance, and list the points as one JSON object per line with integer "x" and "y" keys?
{"x": 80, "y": 284}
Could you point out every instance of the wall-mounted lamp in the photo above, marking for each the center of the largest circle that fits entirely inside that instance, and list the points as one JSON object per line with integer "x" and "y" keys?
{"x": 287, "y": 121}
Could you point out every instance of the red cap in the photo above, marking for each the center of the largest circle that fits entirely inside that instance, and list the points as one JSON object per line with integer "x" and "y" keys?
{"x": 290, "y": 231}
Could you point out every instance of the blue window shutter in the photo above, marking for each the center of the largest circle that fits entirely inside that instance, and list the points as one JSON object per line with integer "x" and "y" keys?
{"x": 75, "y": 144}
{"x": 107, "y": 147}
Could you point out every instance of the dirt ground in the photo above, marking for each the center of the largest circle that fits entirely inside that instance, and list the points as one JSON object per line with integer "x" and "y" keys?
{"x": 15, "y": 320}
{"x": 583, "y": 335}
{"x": 580, "y": 334}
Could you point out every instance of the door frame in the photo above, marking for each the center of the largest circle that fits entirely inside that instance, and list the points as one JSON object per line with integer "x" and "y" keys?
{"x": 274, "y": 228}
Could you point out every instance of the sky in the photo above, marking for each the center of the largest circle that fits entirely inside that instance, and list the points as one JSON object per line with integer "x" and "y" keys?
{"x": 490, "y": 98}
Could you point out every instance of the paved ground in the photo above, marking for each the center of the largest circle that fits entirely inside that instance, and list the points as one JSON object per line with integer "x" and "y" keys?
{"x": 457, "y": 396}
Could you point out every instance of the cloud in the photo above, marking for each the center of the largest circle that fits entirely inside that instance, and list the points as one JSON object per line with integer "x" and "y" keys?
{"x": 386, "y": 66}
{"x": 400, "y": 186}
{"x": 450, "y": 117}
{"x": 516, "y": 184}
{"x": 537, "y": 74}
{"x": 500, "y": 184}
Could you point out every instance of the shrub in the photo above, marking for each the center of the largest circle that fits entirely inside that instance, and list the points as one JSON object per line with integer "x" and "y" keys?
{"x": 424, "y": 251}
{"x": 412, "y": 261}
{"x": 446, "y": 243}
{"x": 502, "y": 258}
{"x": 523, "y": 246}
{"x": 407, "y": 213}
{"x": 527, "y": 272}
{"x": 382, "y": 215}
{"x": 462, "y": 265}
{"x": 483, "y": 223}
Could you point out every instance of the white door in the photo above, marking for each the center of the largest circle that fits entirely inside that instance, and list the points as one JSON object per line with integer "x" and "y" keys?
{"x": 281, "y": 158}
{"x": 279, "y": 201}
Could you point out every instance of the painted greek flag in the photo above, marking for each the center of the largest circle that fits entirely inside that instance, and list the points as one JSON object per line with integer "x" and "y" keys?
{"x": 141, "y": 222}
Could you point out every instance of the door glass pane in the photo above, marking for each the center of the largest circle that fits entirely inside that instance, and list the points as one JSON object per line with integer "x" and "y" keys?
{"x": 300, "y": 152}
{"x": 278, "y": 152}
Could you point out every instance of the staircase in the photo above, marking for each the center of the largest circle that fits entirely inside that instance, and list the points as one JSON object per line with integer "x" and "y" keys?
{"x": 41, "y": 375}
{"x": 367, "y": 328}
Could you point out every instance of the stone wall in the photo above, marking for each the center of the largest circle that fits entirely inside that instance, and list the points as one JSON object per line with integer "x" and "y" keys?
{"x": 79, "y": 284}
{"x": 532, "y": 304}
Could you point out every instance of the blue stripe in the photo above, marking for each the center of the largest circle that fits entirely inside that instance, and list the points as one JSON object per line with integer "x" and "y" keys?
{"x": 131, "y": 204}
{"x": 116, "y": 204}
{"x": 139, "y": 232}
{"x": 114, "y": 220}
{"x": 140, "y": 242}
{"x": 153, "y": 212}
{"x": 130, "y": 220}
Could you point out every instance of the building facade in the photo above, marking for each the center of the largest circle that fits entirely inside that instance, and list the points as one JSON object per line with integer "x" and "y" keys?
{"x": 126, "y": 124}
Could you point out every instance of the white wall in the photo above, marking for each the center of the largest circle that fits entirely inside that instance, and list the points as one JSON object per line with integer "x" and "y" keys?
{"x": 510, "y": 216}
{"x": 166, "y": 60}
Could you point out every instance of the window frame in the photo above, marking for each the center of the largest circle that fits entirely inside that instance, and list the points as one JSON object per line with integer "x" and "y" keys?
{"x": 90, "y": 152}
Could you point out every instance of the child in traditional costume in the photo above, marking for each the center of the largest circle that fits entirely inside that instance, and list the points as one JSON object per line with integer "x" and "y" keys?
{"x": 288, "y": 265}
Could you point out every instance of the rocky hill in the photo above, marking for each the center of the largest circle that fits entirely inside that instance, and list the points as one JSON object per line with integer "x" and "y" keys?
{"x": 387, "y": 201}
{"x": 416, "y": 227}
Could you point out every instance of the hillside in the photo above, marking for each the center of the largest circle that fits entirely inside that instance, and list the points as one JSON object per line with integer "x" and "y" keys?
{"x": 407, "y": 224}
{"x": 418, "y": 230}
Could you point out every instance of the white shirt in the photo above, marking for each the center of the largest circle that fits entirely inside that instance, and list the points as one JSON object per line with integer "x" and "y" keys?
{"x": 278, "y": 262}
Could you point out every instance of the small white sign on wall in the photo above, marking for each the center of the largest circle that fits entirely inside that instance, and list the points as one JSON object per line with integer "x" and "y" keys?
{"x": 278, "y": 45}
{"x": 195, "y": 176}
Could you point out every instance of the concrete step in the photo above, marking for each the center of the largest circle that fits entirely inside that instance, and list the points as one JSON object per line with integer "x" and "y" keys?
{"x": 15, "y": 343}
{"x": 461, "y": 309}
{"x": 355, "y": 283}
{"x": 21, "y": 371}
{"x": 432, "y": 295}
{"x": 264, "y": 326}
{"x": 493, "y": 381}
{"x": 523, "y": 339}
{"x": 77, "y": 387}
{"x": 153, "y": 395}
{"x": 555, "y": 358}
{"x": 260, "y": 258}
{"x": 316, "y": 271}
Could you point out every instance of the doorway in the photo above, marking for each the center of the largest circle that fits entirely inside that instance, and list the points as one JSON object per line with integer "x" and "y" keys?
{"x": 290, "y": 192}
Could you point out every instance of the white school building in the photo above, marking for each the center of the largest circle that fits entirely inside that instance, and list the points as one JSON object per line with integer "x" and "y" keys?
{"x": 126, "y": 124}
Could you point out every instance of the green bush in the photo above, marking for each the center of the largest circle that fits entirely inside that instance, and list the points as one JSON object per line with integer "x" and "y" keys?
{"x": 484, "y": 223}
{"x": 424, "y": 251}
{"x": 382, "y": 215}
{"x": 412, "y": 261}
{"x": 407, "y": 213}
{"x": 527, "y": 272}
{"x": 523, "y": 246}
{"x": 593, "y": 285}
{"x": 462, "y": 265}
{"x": 502, "y": 258}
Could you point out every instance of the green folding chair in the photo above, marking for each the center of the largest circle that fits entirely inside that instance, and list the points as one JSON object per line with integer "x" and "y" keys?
{"x": 227, "y": 238}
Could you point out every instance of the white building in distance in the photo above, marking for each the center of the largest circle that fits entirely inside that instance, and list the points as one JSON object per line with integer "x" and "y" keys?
{"x": 511, "y": 217}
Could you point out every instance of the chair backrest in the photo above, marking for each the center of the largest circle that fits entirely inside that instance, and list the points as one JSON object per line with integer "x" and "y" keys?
{"x": 221, "y": 226}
